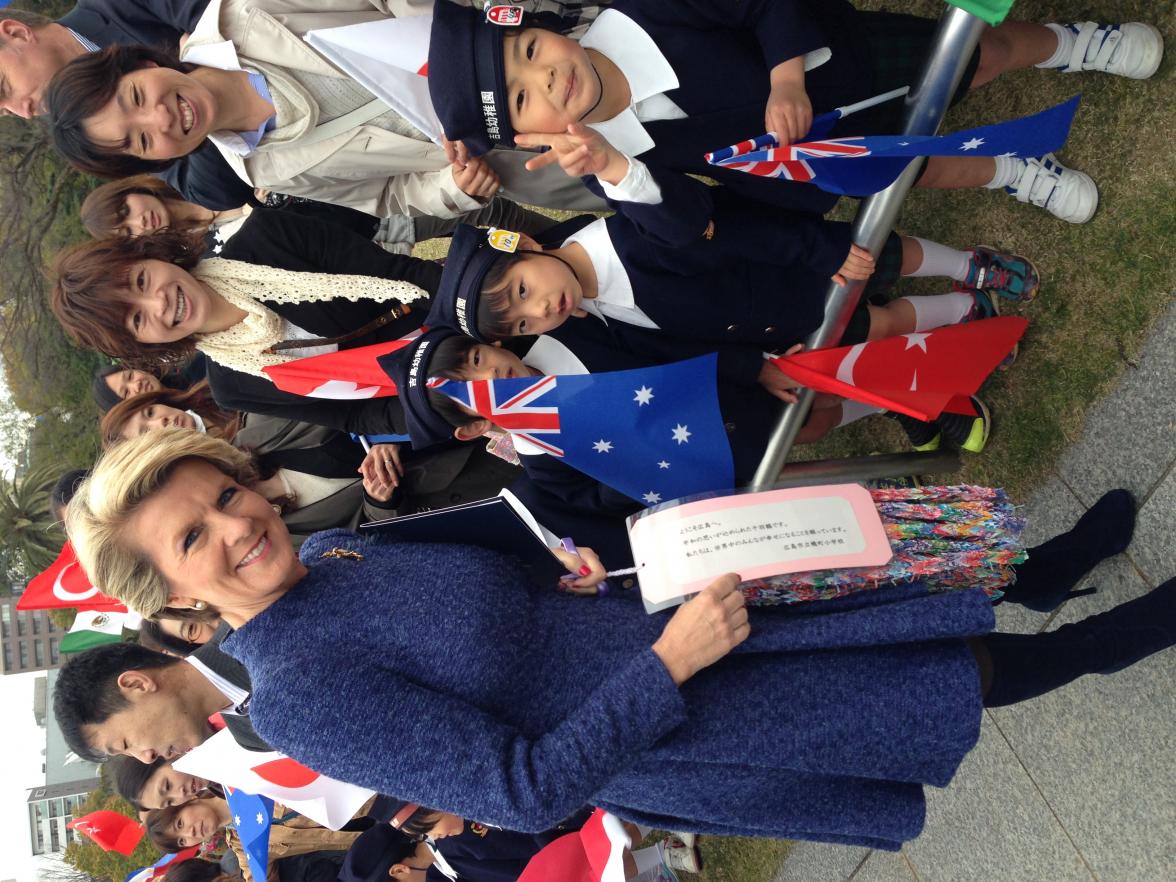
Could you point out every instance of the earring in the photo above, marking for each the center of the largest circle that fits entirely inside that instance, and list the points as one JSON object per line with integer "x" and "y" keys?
{"x": 277, "y": 508}
{"x": 199, "y": 604}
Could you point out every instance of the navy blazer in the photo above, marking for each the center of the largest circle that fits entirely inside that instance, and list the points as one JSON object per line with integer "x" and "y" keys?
{"x": 481, "y": 853}
{"x": 759, "y": 280}
{"x": 203, "y": 177}
{"x": 239, "y": 725}
{"x": 724, "y": 98}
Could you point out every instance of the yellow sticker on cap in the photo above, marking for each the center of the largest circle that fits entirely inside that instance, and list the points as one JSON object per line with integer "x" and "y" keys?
{"x": 503, "y": 240}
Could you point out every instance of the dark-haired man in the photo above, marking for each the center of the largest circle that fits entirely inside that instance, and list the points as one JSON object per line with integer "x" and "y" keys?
{"x": 124, "y": 699}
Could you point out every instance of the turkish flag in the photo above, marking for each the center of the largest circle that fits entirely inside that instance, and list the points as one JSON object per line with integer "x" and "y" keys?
{"x": 594, "y": 853}
{"x": 111, "y": 830}
{"x": 65, "y": 585}
{"x": 347, "y": 374}
{"x": 920, "y": 374}
{"x": 270, "y": 773}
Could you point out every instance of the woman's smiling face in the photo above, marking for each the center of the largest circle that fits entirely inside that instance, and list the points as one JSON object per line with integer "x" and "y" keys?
{"x": 156, "y": 113}
{"x": 165, "y": 303}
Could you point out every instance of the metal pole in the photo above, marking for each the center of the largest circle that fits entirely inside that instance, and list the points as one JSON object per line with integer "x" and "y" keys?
{"x": 868, "y": 468}
{"x": 958, "y": 34}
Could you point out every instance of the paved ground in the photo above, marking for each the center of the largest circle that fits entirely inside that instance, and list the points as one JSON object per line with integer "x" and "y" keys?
{"x": 1079, "y": 785}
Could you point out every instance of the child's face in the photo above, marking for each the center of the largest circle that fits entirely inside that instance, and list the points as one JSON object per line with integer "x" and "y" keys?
{"x": 550, "y": 82}
{"x": 447, "y": 825}
{"x": 492, "y": 362}
{"x": 541, "y": 293}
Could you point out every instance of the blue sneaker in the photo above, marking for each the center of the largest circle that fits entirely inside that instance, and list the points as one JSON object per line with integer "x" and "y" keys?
{"x": 1006, "y": 275}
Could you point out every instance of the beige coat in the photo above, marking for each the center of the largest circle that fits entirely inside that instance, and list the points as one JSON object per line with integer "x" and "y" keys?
{"x": 366, "y": 167}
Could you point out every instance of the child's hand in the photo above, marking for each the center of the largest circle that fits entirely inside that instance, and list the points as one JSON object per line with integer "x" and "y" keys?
{"x": 476, "y": 178}
{"x": 789, "y": 113}
{"x": 455, "y": 151}
{"x": 586, "y": 566}
{"x": 779, "y": 383}
{"x": 580, "y": 151}
{"x": 858, "y": 266}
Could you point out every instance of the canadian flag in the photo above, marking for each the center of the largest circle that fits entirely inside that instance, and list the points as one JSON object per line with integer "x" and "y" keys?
{"x": 347, "y": 374}
{"x": 920, "y": 374}
{"x": 324, "y": 800}
{"x": 594, "y": 853}
{"x": 111, "y": 830}
{"x": 65, "y": 585}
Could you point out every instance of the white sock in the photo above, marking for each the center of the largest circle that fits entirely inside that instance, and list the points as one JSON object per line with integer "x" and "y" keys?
{"x": 852, "y": 411}
{"x": 1061, "y": 56}
{"x": 940, "y": 309}
{"x": 940, "y": 260}
{"x": 647, "y": 861}
{"x": 1008, "y": 172}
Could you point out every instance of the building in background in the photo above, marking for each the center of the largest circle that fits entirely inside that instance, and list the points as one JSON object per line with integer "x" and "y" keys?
{"x": 28, "y": 639}
{"x": 40, "y": 700}
{"x": 68, "y": 781}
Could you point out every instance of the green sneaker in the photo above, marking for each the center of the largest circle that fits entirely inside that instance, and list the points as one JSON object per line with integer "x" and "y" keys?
{"x": 968, "y": 433}
{"x": 1006, "y": 275}
{"x": 923, "y": 437}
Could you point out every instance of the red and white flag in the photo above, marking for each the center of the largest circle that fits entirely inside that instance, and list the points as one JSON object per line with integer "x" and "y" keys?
{"x": 920, "y": 374}
{"x": 111, "y": 830}
{"x": 324, "y": 800}
{"x": 594, "y": 853}
{"x": 390, "y": 58}
{"x": 347, "y": 374}
{"x": 65, "y": 585}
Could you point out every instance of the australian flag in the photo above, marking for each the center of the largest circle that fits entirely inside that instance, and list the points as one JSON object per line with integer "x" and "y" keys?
{"x": 859, "y": 166}
{"x": 654, "y": 433}
{"x": 252, "y": 816}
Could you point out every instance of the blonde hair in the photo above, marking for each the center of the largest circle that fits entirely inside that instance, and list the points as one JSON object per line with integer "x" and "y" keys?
{"x": 123, "y": 479}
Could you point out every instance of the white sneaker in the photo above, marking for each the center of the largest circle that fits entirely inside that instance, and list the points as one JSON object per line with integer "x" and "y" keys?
{"x": 680, "y": 857}
{"x": 1063, "y": 192}
{"x": 1133, "y": 49}
{"x": 688, "y": 839}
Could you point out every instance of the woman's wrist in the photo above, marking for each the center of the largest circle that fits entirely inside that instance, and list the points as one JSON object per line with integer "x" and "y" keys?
{"x": 675, "y": 665}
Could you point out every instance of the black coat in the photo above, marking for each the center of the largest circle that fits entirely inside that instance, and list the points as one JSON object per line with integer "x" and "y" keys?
{"x": 445, "y": 475}
{"x": 232, "y": 670}
{"x": 203, "y": 177}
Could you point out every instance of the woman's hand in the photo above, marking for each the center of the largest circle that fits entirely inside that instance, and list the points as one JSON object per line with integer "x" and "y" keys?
{"x": 381, "y": 470}
{"x": 587, "y": 568}
{"x": 789, "y": 112}
{"x": 704, "y": 629}
{"x": 858, "y": 265}
{"x": 475, "y": 178}
{"x": 580, "y": 151}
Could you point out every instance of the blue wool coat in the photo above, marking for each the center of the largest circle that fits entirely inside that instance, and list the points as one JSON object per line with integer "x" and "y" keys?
{"x": 439, "y": 674}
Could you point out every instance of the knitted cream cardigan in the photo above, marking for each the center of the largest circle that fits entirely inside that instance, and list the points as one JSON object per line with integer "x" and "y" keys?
{"x": 243, "y": 347}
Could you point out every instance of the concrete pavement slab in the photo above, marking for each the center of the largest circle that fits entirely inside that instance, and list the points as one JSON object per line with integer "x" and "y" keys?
{"x": 1152, "y": 548}
{"x": 885, "y": 866}
{"x": 821, "y": 862}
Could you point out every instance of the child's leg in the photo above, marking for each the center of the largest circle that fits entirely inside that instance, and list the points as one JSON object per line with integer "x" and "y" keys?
{"x": 910, "y": 314}
{"x": 1008, "y": 275}
{"x": 1012, "y": 45}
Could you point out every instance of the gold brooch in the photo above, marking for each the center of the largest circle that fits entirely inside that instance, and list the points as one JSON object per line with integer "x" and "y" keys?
{"x": 342, "y": 553}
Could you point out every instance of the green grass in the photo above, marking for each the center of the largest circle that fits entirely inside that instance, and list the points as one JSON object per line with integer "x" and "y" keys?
{"x": 1104, "y": 283}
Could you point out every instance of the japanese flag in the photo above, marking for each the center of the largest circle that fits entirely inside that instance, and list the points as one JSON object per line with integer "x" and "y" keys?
{"x": 270, "y": 773}
{"x": 390, "y": 58}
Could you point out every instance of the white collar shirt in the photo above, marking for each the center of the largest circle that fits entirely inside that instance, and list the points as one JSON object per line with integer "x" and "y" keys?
{"x": 614, "y": 291}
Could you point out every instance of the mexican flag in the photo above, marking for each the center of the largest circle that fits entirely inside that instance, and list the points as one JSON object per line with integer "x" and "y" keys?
{"x": 94, "y": 628}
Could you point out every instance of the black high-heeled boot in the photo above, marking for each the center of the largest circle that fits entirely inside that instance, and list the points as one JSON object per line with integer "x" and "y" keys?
{"x": 1045, "y": 580}
{"x": 1027, "y": 665}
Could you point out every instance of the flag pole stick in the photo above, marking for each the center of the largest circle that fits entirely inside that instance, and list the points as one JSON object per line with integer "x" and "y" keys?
{"x": 956, "y": 39}
{"x": 873, "y": 102}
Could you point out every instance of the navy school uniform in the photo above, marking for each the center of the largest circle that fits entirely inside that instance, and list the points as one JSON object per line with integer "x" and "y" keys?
{"x": 758, "y": 281}
{"x": 481, "y": 853}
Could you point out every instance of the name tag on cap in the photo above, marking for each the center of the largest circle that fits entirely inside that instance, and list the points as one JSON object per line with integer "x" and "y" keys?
{"x": 503, "y": 240}
{"x": 506, "y": 15}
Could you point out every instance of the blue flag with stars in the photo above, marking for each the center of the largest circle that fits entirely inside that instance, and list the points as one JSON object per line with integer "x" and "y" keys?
{"x": 251, "y": 817}
{"x": 859, "y": 166}
{"x": 654, "y": 434}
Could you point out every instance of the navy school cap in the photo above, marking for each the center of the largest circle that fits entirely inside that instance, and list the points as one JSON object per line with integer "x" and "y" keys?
{"x": 374, "y": 853}
{"x": 471, "y": 254}
{"x": 467, "y": 81}
{"x": 409, "y": 369}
